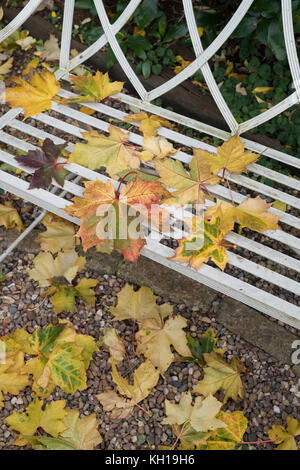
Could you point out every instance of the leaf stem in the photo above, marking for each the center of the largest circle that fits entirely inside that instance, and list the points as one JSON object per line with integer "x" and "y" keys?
{"x": 124, "y": 177}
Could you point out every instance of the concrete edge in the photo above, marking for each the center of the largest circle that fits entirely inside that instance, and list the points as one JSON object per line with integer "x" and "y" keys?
{"x": 238, "y": 318}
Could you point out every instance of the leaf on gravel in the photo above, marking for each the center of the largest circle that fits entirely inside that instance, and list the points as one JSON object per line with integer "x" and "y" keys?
{"x": 120, "y": 407}
{"x": 63, "y": 297}
{"x": 66, "y": 264}
{"x": 227, "y": 438}
{"x": 285, "y": 437}
{"x": 144, "y": 380}
{"x": 111, "y": 151}
{"x": 50, "y": 419}
{"x": 219, "y": 375}
{"x": 114, "y": 344}
{"x": 158, "y": 147}
{"x": 51, "y": 50}
{"x": 6, "y": 67}
{"x": 61, "y": 358}
{"x": 149, "y": 124}
{"x": 189, "y": 185}
{"x": 96, "y": 87}
{"x": 31, "y": 66}
{"x": 59, "y": 234}
{"x": 44, "y": 161}
{"x": 139, "y": 305}
{"x": 82, "y": 433}
{"x": 231, "y": 156}
{"x": 20, "y": 340}
{"x": 13, "y": 378}
{"x": 35, "y": 96}
{"x": 9, "y": 216}
{"x": 202, "y": 416}
{"x": 155, "y": 341}
{"x": 206, "y": 344}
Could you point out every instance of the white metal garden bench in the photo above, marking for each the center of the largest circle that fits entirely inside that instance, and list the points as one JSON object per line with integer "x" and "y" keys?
{"x": 251, "y": 295}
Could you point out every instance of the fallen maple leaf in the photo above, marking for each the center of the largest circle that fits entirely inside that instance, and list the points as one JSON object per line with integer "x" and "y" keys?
{"x": 111, "y": 341}
{"x": 13, "y": 378}
{"x": 144, "y": 379}
{"x": 206, "y": 344}
{"x": 63, "y": 297}
{"x": 60, "y": 234}
{"x": 149, "y": 124}
{"x": 97, "y": 195}
{"x": 49, "y": 419}
{"x": 81, "y": 432}
{"x": 31, "y": 66}
{"x": 158, "y": 147}
{"x": 139, "y": 305}
{"x": 228, "y": 437}
{"x": 219, "y": 375}
{"x": 95, "y": 87}
{"x": 113, "y": 151}
{"x": 231, "y": 156}
{"x": 202, "y": 245}
{"x": 119, "y": 407}
{"x": 252, "y": 213}
{"x": 9, "y": 217}
{"x": 60, "y": 356}
{"x": 189, "y": 186}
{"x": 51, "y": 49}
{"x": 154, "y": 341}
{"x": 6, "y": 67}
{"x": 44, "y": 161}
{"x": 285, "y": 437}
{"x": 66, "y": 264}
{"x": 201, "y": 416}
{"x": 35, "y": 96}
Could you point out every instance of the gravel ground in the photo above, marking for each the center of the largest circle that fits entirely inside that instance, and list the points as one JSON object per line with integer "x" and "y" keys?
{"x": 273, "y": 392}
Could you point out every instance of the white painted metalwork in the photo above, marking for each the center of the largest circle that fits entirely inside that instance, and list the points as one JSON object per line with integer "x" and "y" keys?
{"x": 267, "y": 264}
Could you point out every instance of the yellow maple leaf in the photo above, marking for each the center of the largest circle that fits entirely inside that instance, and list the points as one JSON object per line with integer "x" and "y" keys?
{"x": 154, "y": 341}
{"x": 30, "y": 66}
{"x": 81, "y": 433}
{"x": 111, "y": 151}
{"x": 285, "y": 437}
{"x": 95, "y": 87}
{"x": 252, "y": 213}
{"x": 60, "y": 234}
{"x": 227, "y": 438}
{"x": 201, "y": 416}
{"x": 66, "y": 264}
{"x": 119, "y": 407}
{"x": 189, "y": 186}
{"x": 149, "y": 124}
{"x": 156, "y": 147}
{"x": 139, "y": 305}
{"x": 6, "y": 67}
{"x": 114, "y": 344}
{"x": 9, "y": 217}
{"x": 35, "y": 96}
{"x": 145, "y": 378}
{"x": 231, "y": 156}
{"x": 219, "y": 375}
{"x": 202, "y": 244}
{"x": 13, "y": 378}
{"x": 50, "y": 419}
